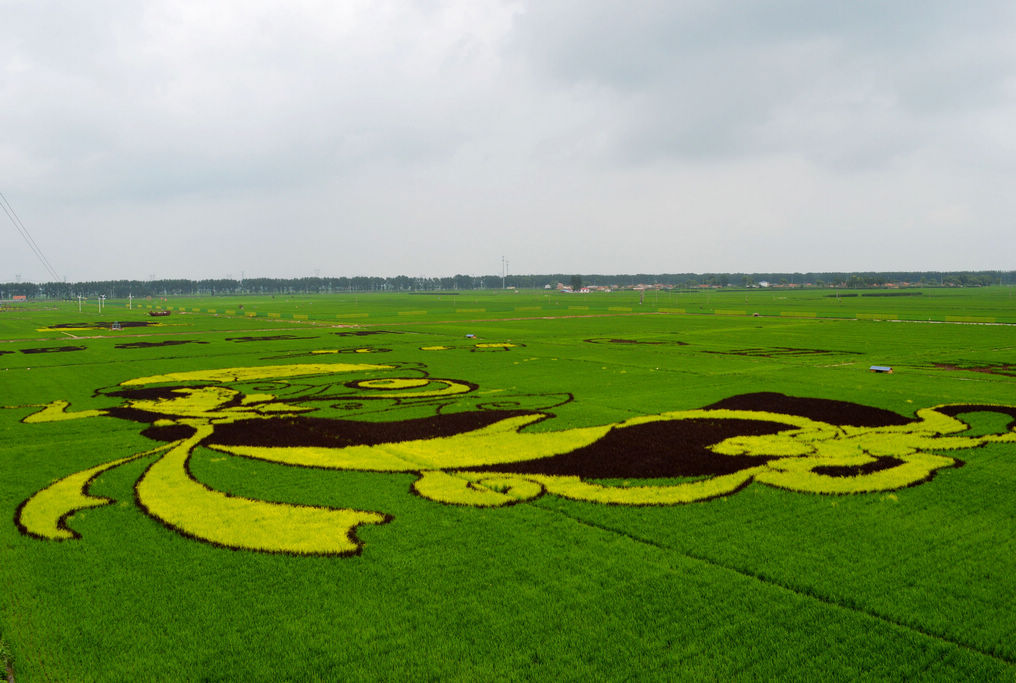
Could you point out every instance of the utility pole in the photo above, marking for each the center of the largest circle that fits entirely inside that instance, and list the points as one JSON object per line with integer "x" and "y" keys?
{"x": 102, "y": 297}
{"x": 504, "y": 272}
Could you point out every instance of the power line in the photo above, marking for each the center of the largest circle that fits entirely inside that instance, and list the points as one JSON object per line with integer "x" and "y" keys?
{"x": 16, "y": 220}
{"x": 20, "y": 227}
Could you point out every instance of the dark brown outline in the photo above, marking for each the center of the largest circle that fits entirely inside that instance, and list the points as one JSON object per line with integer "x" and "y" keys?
{"x": 611, "y": 340}
{"x": 331, "y": 352}
{"x": 1001, "y": 369}
{"x": 351, "y": 536}
{"x": 101, "y": 325}
{"x": 470, "y": 484}
{"x": 277, "y": 337}
{"x": 152, "y": 345}
{"x": 54, "y": 349}
{"x": 781, "y": 352}
{"x": 826, "y": 410}
{"x": 61, "y": 522}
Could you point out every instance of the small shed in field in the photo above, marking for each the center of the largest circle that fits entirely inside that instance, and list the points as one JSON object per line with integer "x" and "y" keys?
{"x": 881, "y": 368}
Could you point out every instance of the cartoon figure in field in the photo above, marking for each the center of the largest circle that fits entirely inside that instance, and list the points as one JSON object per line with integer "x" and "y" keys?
{"x": 470, "y": 452}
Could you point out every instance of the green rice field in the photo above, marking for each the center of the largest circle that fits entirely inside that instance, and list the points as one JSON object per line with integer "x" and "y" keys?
{"x": 501, "y": 485}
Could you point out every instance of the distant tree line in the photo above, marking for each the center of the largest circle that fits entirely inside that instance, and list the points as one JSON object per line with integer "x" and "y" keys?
{"x": 117, "y": 289}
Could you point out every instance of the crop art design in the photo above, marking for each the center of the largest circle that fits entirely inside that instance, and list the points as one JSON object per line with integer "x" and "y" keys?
{"x": 476, "y": 447}
{"x": 97, "y": 325}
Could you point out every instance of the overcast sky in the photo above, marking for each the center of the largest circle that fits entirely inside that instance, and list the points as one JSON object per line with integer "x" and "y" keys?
{"x": 279, "y": 139}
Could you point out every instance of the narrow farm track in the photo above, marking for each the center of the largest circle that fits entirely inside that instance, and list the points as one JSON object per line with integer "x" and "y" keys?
{"x": 781, "y": 585}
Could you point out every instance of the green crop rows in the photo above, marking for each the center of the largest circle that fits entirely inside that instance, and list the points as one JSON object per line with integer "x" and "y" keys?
{"x": 350, "y": 487}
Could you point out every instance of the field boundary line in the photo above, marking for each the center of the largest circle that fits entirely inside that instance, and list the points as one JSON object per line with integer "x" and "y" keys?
{"x": 785, "y": 586}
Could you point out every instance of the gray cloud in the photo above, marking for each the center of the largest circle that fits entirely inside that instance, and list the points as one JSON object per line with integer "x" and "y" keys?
{"x": 841, "y": 83}
{"x": 433, "y": 137}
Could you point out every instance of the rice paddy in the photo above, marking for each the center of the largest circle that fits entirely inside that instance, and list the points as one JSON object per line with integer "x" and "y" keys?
{"x": 500, "y": 485}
